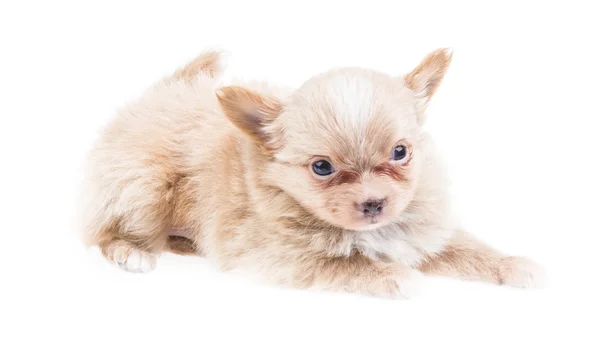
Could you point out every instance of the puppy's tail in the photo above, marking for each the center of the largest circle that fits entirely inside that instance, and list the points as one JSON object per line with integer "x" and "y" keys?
{"x": 209, "y": 63}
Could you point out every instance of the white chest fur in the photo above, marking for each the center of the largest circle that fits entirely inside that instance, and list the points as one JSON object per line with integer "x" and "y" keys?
{"x": 401, "y": 244}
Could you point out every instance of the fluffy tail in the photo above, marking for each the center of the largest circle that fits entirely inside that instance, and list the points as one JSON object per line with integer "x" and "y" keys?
{"x": 209, "y": 63}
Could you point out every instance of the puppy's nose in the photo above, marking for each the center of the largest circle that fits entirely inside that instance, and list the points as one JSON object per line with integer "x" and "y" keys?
{"x": 372, "y": 207}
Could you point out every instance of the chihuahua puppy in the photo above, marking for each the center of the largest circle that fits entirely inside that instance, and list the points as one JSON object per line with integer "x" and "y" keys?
{"x": 333, "y": 186}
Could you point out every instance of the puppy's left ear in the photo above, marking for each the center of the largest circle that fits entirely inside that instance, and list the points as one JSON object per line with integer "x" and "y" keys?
{"x": 252, "y": 113}
{"x": 427, "y": 77}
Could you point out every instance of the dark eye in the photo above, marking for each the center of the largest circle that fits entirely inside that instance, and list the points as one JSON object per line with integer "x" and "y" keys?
{"x": 322, "y": 168}
{"x": 400, "y": 153}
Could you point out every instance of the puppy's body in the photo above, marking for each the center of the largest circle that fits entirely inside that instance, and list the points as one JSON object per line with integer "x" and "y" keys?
{"x": 232, "y": 173}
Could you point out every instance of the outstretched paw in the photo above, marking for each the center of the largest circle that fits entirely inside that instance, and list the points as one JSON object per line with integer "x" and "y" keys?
{"x": 522, "y": 272}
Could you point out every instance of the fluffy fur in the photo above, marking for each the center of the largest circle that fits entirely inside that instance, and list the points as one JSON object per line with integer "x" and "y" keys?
{"x": 226, "y": 173}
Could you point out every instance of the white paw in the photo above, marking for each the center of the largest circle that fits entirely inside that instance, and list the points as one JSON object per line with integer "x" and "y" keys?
{"x": 132, "y": 259}
{"x": 522, "y": 273}
{"x": 409, "y": 284}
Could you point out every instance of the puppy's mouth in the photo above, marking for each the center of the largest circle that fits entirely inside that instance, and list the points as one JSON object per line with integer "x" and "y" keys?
{"x": 372, "y": 220}
{"x": 370, "y": 223}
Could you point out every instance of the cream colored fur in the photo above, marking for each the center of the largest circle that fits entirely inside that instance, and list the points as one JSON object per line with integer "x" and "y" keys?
{"x": 231, "y": 169}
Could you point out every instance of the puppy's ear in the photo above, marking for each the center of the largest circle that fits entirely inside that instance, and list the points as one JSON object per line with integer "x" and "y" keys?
{"x": 425, "y": 78}
{"x": 250, "y": 112}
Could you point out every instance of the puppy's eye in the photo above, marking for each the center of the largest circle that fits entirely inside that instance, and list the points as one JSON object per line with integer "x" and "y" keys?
{"x": 322, "y": 168}
{"x": 400, "y": 153}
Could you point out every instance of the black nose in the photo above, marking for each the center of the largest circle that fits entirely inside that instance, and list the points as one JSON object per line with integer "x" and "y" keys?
{"x": 372, "y": 207}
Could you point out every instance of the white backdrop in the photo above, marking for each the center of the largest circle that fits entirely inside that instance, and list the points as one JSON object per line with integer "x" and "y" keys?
{"x": 517, "y": 118}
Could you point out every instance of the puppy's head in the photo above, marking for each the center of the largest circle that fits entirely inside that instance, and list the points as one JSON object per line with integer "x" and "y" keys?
{"x": 345, "y": 145}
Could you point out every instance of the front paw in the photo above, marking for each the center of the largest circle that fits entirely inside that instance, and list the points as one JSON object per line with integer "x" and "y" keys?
{"x": 521, "y": 272}
{"x": 400, "y": 285}
{"x": 408, "y": 284}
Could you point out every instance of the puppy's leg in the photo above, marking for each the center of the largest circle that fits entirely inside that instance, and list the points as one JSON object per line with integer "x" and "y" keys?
{"x": 139, "y": 238}
{"x": 358, "y": 274}
{"x": 128, "y": 213}
{"x": 465, "y": 257}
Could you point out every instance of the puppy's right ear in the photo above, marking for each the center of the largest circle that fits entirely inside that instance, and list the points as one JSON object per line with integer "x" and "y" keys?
{"x": 250, "y": 112}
